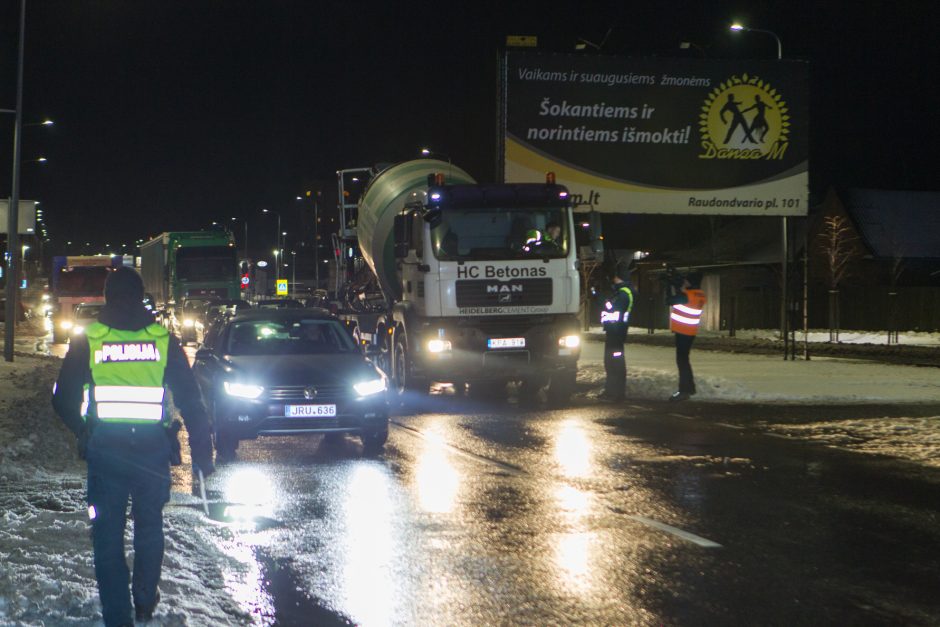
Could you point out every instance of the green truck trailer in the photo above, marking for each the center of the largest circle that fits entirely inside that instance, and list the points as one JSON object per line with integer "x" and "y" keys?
{"x": 181, "y": 265}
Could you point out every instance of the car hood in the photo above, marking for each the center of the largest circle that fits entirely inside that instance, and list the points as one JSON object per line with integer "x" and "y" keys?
{"x": 277, "y": 370}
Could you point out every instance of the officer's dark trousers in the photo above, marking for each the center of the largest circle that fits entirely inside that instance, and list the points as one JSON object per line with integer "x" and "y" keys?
{"x": 615, "y": 363}
{"x": 683, "y": 348}
{"x": 113, "y": 476}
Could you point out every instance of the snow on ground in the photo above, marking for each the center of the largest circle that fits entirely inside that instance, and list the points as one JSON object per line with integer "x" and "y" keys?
{"x": 913, "y": 439}
{"x": 47, "y": 576}
{"x": 906, "y": 338}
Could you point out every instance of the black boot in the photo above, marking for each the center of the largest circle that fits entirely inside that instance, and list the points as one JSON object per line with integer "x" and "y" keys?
{"x": 142, "y": 613}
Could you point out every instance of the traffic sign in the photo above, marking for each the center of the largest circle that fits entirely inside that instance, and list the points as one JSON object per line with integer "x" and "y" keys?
{"x": 282, "y": 287}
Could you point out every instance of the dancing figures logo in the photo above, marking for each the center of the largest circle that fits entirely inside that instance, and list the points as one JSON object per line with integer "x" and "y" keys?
{"x": 744, "y": 118}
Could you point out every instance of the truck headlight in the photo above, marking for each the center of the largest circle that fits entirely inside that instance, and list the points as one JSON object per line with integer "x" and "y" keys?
{"x": 368, "y": 388}
{"x": 569, "y": 341}
{"x": 439, "y": 346}
{"x": 243, "y": 390}
{"x": 66, "y": 324}
{"x": 188, "y": 322}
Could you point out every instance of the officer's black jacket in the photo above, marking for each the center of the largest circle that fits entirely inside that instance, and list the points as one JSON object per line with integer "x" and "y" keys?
{"x": 76, "y": 372}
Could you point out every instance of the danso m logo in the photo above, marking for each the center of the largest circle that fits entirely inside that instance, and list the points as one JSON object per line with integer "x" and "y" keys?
{"x": 744, "y": 118}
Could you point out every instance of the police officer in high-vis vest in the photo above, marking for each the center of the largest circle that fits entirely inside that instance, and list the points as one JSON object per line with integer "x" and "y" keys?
{"x": 111, "y": 395}
{"x": 615, "y": 320}
{"x": 685, "y": 315}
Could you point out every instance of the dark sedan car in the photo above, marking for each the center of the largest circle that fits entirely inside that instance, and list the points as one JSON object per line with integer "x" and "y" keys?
{"x": 281, "y": 372}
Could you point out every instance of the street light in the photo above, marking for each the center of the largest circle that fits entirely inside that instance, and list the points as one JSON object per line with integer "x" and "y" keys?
{"x": 739, "y": 28}
{"x": 277, "y": 242}
{"x": 784, "y": 331}
{"x": 245, "y": 221}
{"x": 13, "y": 213}
{"x": 293, "y": 272}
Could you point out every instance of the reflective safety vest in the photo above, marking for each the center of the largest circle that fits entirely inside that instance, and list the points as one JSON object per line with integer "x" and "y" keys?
{"x": 685, "y": 318}
{"x": 611, "y": 314}
{"x": 127, "y": 374}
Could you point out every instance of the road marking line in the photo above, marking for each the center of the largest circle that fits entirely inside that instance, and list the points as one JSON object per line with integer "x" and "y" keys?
{"x": 682, "y": 416}
{"x": 685, "y": 535}
{"x": 730, "y": 426}
{"x": 511, "y": 469}
{"x": 777, "y": 435}
{"x": 638, "y": 407}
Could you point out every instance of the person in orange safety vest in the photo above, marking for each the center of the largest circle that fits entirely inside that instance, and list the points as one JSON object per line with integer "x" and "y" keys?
{"x": 685, "y": 315}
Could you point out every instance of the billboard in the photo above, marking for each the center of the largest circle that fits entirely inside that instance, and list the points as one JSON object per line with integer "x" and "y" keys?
{"x": 667, "y": 136}
{"x": 27, "y": 217}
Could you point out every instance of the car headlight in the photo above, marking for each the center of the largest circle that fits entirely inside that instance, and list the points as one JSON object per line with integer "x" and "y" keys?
{"x": 188, "y": 322}
{"x": 66, "y": 324}
{"x": 368, "y": 388}
{"x": 569, "y": 341}
{"x": 243, "y": 390}
{"x": 439, "y": 346}
{"x": 78, "y": 329}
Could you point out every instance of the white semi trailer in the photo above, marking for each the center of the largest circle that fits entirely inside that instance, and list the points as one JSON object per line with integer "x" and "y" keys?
{"x": 447, "y": 280}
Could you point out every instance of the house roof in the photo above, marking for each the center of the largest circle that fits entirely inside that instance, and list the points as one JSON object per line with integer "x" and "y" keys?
{"x": 896, "y": 223}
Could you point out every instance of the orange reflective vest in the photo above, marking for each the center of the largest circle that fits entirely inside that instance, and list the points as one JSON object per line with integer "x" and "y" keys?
{"x": 685, "y": 318}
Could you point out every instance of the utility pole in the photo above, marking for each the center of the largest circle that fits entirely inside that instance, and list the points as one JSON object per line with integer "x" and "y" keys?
{"x": 13, "y": 214}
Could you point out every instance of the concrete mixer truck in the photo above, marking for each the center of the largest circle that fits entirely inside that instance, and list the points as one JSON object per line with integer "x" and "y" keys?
{"x": 443, "y": 279}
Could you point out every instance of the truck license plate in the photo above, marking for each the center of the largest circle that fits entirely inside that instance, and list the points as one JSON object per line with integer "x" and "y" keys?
{"x": 506, "y": 342}
{"x": 307, "y": 411}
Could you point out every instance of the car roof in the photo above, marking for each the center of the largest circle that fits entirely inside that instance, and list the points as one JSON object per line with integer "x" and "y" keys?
{"x": 282, "y": 314}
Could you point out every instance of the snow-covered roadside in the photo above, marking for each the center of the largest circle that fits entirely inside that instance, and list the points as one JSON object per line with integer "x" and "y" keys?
{"x": 47, "y": 575}
{"x": 757, "y": 379}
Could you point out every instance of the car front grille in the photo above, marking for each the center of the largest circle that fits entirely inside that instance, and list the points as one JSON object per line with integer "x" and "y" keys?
{"x": 296, "y": 393}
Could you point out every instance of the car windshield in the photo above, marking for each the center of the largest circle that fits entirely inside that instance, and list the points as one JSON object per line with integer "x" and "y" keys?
{"x": 194, "y": 306}
{"x": 295, "y": 336}
{"x": 88, "y": 311}
{"x": 493, "y": 233}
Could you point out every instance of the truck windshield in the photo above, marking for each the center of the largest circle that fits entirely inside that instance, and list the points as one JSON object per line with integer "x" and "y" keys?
{"x": 493, "y": 233}
{"x": 206, "y": 263}
{"x": 81, "y": 281}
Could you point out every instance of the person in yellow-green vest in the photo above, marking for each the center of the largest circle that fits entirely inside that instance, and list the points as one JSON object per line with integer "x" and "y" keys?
{"x": 615, "y": 320}
{"x": 111, "y": 393}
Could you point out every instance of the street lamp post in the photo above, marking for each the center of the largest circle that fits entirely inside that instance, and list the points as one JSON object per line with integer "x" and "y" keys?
{"x": 277, "y": 243}
{"x": 784, "y": 326}
{"x": 13, "y": 213}
{"x": 293, "y": 273}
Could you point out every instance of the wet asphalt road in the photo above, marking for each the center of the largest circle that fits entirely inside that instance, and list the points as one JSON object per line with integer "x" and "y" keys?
{"x": 501, "y": 512}
{"x": 505, "y": 513}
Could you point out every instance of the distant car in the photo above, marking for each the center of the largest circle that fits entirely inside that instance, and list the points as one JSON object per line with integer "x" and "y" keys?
{"x": 215, "y": 312}
{"x": 289, "y": 371}
{"x": 84, "y": 315}
{"x": 191, "y": 315}
{"x": 280, "y": 303}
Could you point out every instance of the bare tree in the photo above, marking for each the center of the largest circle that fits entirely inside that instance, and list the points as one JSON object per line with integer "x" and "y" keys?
{"x": 838, "y": 245}
{"x": 590, "y": 270}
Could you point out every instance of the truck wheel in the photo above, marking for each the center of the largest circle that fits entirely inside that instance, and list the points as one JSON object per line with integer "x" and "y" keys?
{"x": 562, "y": 385}
{"x": 373, "y": 441}
{"x": 402, "y": 374}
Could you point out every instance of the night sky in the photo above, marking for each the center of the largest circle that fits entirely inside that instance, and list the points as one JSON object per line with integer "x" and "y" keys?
{"x": 172, "y": 114}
